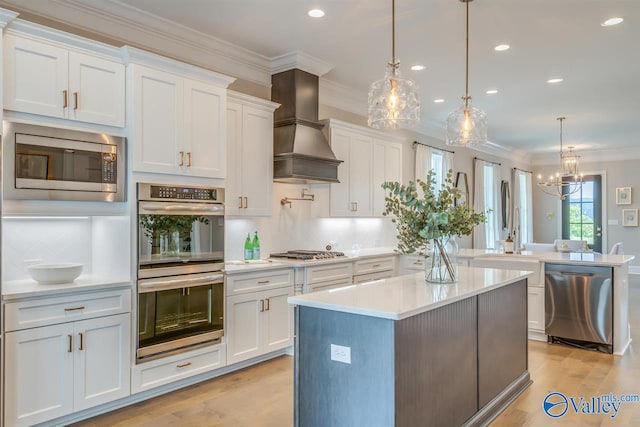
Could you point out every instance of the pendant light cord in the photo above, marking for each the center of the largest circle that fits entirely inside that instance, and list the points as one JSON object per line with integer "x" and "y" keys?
{"x": 394, "y": 63}
{"x": 466, "y": 97}
{"x": 561, "y": 119}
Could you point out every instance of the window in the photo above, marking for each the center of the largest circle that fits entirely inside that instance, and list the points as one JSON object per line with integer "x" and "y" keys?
{"x": 581, "y": 213}
{"x": 522, "y": 208}
{"x": 486, "y": 191}
{"x": 436, "y": 166}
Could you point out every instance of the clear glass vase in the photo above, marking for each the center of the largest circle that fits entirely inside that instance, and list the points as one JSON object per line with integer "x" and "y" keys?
{"x": 442, "y": 260}
{"x": 170, "y": 243}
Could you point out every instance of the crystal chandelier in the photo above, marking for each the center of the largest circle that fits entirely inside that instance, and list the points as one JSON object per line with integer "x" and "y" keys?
{"x": 394, "y": 101}
{"x": 568, "y": 180}
{"x": 466, "y": 126}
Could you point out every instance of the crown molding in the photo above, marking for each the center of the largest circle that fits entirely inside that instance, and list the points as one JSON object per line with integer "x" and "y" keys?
{"x": 339, "y": 96}
{"x": 300, "y": 60}
{"x": 252, "y": 100}
{"x": 128, "y": 25}
{"x": 364, "y": 130}
{"x": 6, "y": 16}
{"x": 590, "y": 156}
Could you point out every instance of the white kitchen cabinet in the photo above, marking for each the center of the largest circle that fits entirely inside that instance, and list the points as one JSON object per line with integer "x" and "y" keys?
{"x": 259, "y": 322}
{"x": 249, "y": 155}
{"x": 370, "y": 158}
{"x": 536, "y": 308}
{"x": 55, "y": 370}
{"x": 177, "y": 116}
{"x": 368, "y": 269}
{"x": 72, "y": 363}
{"x": 50, "y": 80}
{"x": 327, "y": 276}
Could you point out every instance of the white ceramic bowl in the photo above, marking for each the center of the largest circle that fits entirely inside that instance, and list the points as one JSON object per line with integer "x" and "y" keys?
{"x": 55, "y": 273}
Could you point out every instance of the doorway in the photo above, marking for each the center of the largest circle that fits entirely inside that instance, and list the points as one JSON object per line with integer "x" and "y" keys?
{"x": 582, "y": 212}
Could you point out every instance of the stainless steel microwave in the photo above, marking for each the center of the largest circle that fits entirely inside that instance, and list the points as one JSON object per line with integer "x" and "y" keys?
{"x": 45, "y": 163}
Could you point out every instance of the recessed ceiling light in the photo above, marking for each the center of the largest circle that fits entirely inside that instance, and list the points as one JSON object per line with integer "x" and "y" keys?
{"x": 555, "y": 80}
{"x": 316, "y": 13}
{"x": 611, "y": 21}
{"x": 418, "y": 67}
{"x": 492, "y": 91}
{"x": 502, "y": 47}
{"x": 438, "y": 101}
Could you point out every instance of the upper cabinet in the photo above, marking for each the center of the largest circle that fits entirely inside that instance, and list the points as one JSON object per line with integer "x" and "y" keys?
{"x": 177, "y": 116}
{"x": 370, "y": 158}
{"x": 249, "y": 155}
{"x": 54, "y": 80}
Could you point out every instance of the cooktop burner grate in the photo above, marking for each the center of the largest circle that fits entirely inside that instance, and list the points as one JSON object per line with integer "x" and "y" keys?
{"x": 303, "y": 254}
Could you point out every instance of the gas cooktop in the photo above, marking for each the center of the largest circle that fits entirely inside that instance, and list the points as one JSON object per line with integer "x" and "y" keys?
{"x": 308, "y": 255}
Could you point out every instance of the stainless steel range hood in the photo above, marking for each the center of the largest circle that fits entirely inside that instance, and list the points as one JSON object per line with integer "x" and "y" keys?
{"x": 301, "y": 153}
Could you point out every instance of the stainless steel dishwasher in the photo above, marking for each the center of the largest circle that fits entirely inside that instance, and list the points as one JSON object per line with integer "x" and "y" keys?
{"x": 579, "y": 305}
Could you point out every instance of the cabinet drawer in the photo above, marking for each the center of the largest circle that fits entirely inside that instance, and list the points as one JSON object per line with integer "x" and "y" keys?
{"x": 252, "y": 282}
{"x": 371, "y": 265}
{"x": 49, "y": 311}
{"x": 331, "y": 284}
{"x": 361, "y": 278}
{"x": 167, "y": 370}
{"x": 330, "y": 272}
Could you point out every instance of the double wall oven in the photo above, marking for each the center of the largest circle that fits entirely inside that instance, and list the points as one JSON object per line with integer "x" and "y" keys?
{"x": 180, "y": 262}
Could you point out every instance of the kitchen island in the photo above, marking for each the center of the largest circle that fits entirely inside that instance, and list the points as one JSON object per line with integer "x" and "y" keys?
{"x": 402, "y": 352}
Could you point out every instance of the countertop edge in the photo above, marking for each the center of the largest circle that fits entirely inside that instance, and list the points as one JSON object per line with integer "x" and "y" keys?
{"x": 36, "y": 290}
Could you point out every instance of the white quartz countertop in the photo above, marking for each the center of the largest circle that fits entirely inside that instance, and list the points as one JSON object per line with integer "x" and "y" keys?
{"x": 236, "y": 267}
{"x": 23, "y": 288}
{"x": 400, "y": 297}
{"x": 589, "y": 258}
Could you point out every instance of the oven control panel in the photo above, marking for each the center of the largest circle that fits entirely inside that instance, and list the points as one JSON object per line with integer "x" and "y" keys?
{"x": 183, "y": 193}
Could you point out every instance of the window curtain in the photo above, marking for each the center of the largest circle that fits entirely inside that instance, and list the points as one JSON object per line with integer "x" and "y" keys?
{"x": 447, "y": 163}
{"x": 423, "y": 161}
{"x": 523, "y": 207}
{"x": 486, "y": 191}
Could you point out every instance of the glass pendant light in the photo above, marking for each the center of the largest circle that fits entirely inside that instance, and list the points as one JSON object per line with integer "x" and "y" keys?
{"x": 394, "y": 101}
{"x": 568, "y": 180}
{"x": 466, "y": 126}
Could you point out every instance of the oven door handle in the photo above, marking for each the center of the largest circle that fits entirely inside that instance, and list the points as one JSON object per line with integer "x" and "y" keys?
{"x": 159, "y": 285}
{"x": 181, "y": 208}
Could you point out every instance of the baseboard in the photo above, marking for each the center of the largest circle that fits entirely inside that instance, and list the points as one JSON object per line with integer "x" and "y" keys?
{"x": 537, "y": 336}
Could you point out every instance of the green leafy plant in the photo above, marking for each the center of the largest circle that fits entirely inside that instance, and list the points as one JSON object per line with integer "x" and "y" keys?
{"x": 430, "y": 216}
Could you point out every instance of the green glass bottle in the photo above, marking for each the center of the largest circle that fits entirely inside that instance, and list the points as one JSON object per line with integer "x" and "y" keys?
{"x": 248, "y": 248}
{"x": 256, "y": 246}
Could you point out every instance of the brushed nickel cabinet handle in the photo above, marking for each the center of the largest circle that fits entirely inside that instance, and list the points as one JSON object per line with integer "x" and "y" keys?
{"x": 267, "y": 304}
{"x": 375, "y": 266}
{"x": 74, "y": 308}
{"x": 65, "y": 99}
{"x": 246, "y": 202}
{"x": 81, "y": 341}
{"x": 262, "y": 282}
{"x": 75, "y": 100}
{"x": 240, "y": 197}
{"x": 70, "y": 350}
{"x": 183, "y": 365}
{"x": 188, "y": 159}
{"x": 261, "y": 305}
{"x": 181, "y": 158}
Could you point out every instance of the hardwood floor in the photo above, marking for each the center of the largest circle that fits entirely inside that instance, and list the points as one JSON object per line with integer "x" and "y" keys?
{"x": 262, "y": 395}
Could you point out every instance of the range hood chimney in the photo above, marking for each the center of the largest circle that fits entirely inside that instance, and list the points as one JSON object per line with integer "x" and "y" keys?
{"x": 301, "y": 153}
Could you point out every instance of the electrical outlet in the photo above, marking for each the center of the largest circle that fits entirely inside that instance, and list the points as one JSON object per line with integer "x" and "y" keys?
{"x": 613, "y": 222}
{"x": 340, "y": 353}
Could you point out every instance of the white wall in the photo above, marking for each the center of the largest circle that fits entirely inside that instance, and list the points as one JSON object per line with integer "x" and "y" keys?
{"x": 95, "y": 242}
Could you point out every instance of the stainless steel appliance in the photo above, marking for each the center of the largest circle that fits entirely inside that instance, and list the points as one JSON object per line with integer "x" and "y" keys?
{"x": 180, "y": 261}
{"x": 579, "y": 305}
{"x": 46, "y": 163}
{"x": 302, "y": 254}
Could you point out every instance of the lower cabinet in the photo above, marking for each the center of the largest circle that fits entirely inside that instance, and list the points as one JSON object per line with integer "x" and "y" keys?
{"x": 52, "y": 371}
{"x": 258, "y": 323}
{"x": 536, "y": 308}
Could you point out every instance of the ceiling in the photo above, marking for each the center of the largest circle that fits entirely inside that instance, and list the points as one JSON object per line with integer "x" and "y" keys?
{"x": 600, "y": 94}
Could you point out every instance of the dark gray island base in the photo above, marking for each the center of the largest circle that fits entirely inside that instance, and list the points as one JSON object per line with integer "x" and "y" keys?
{"x": 461, "y": 363}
